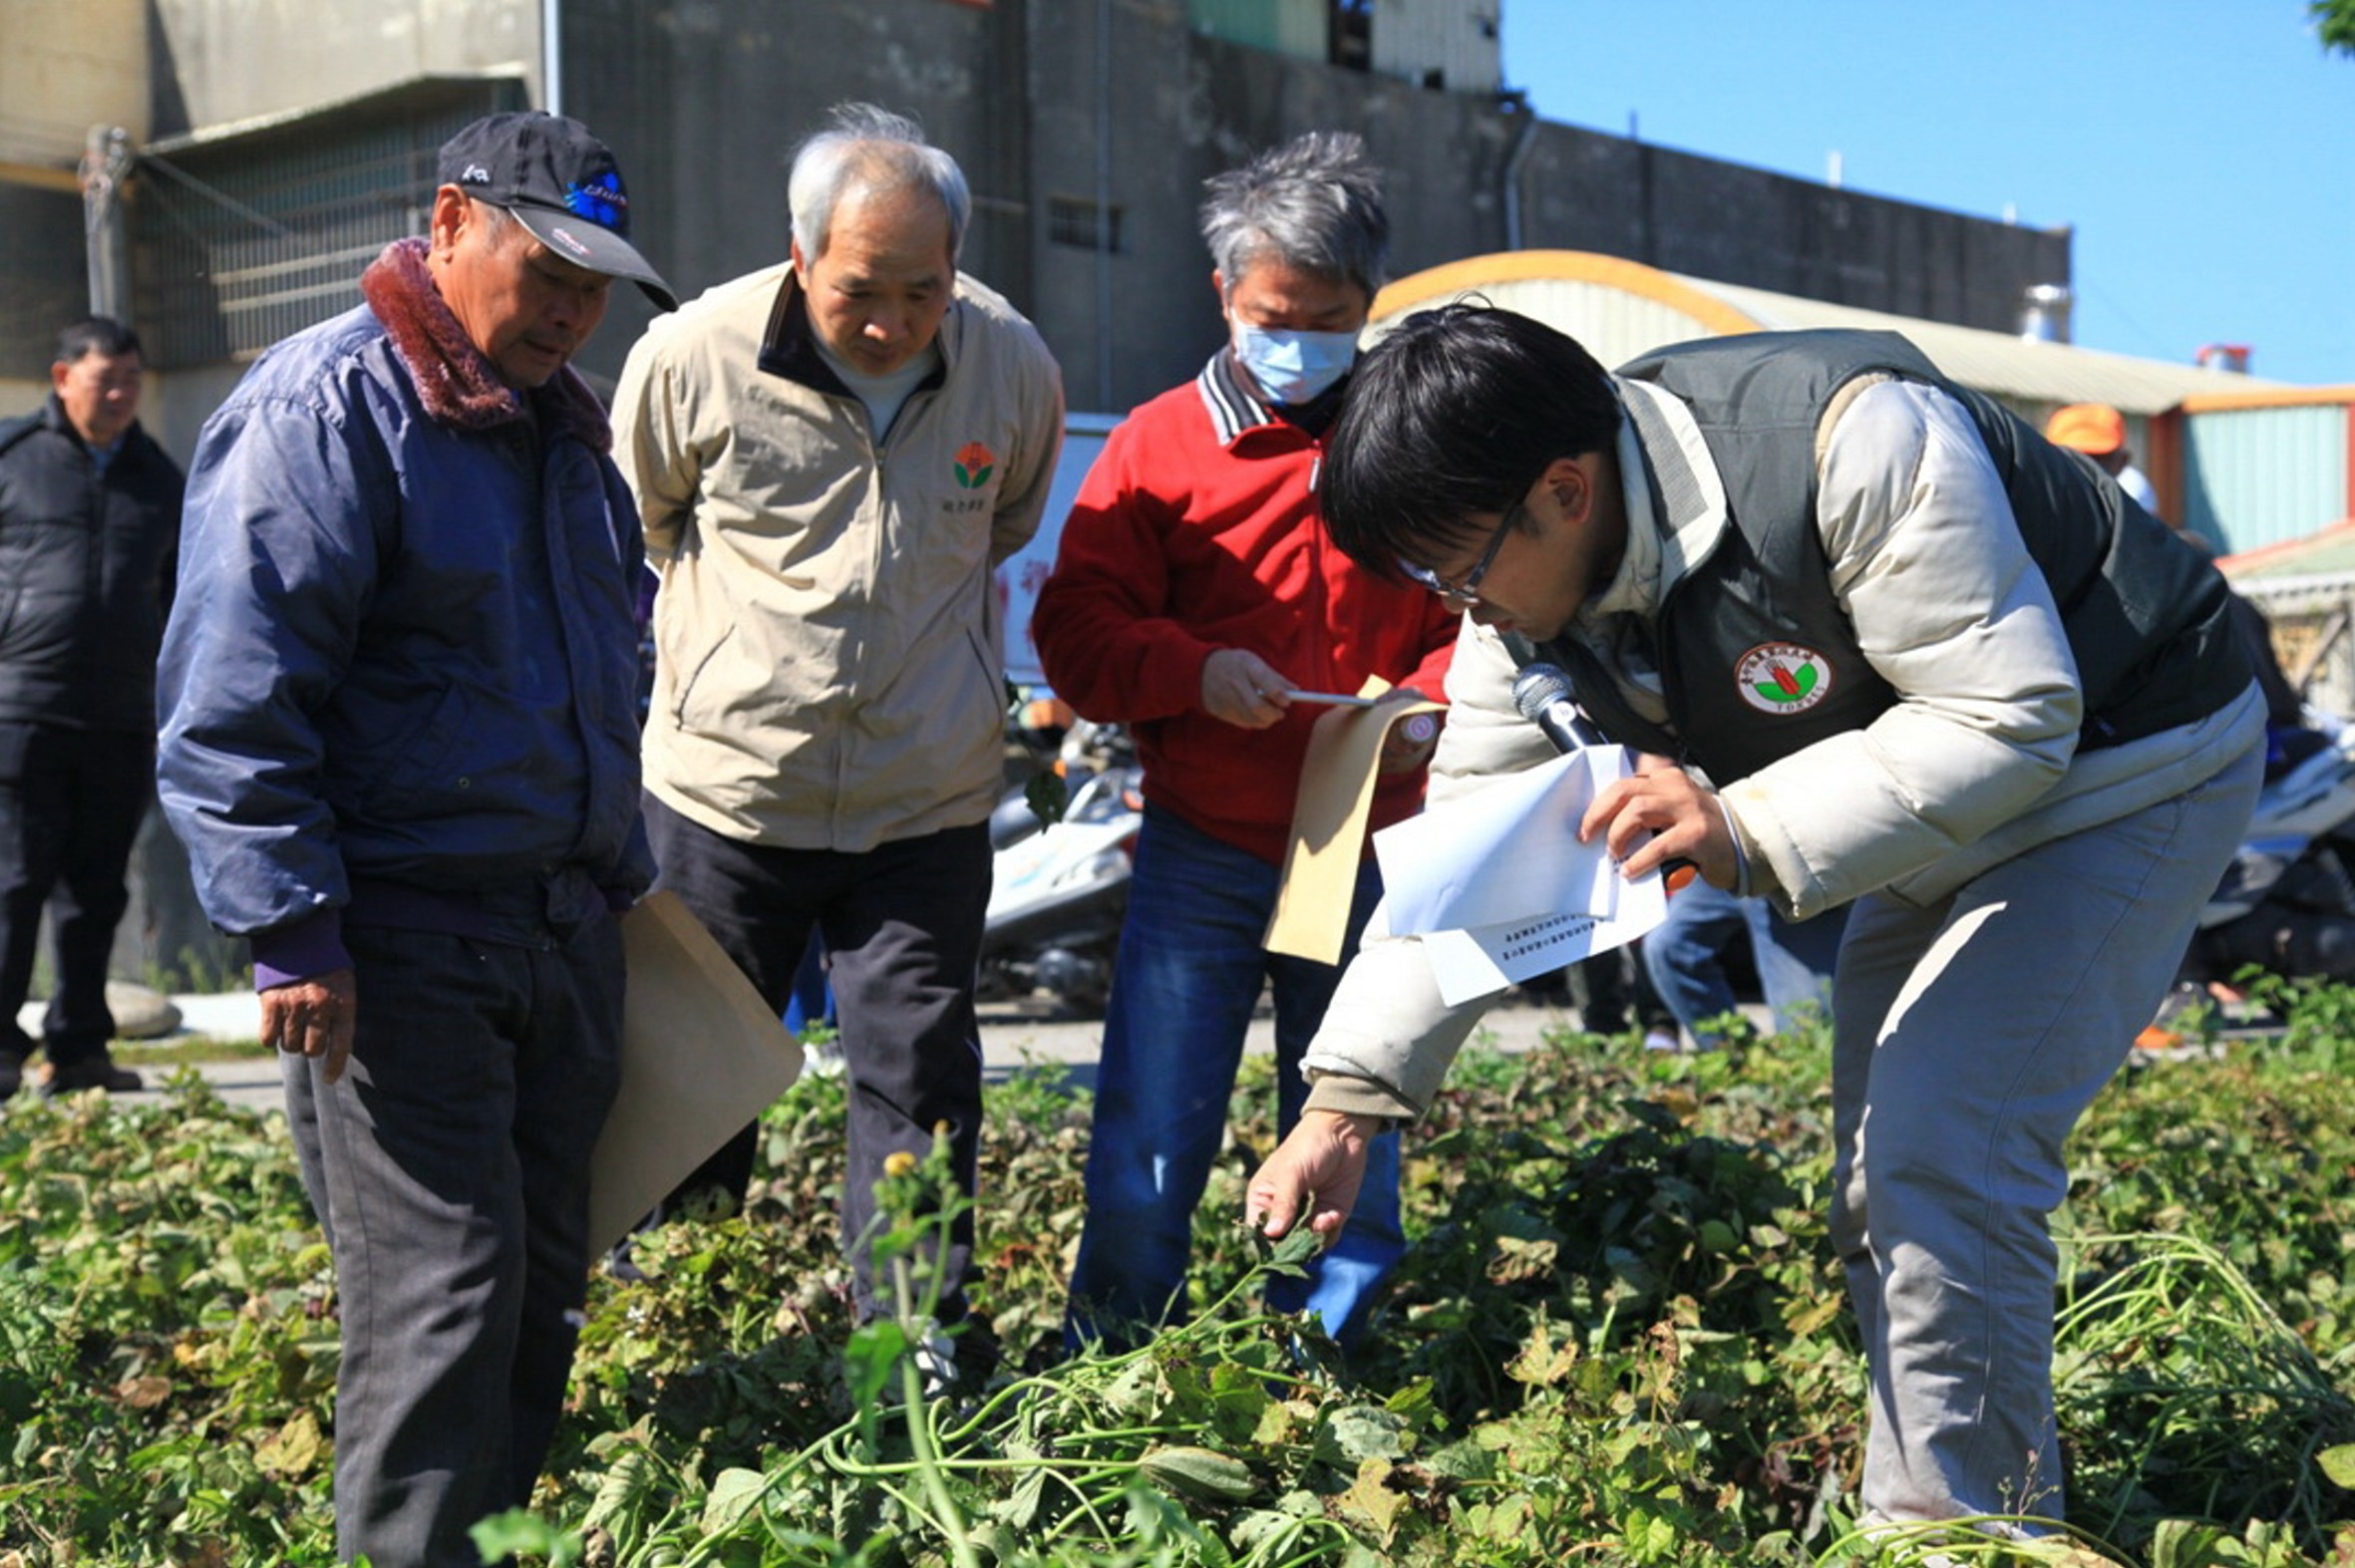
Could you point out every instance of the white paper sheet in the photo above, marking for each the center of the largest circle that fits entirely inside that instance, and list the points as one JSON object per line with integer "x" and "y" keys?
{"x": 1477, "y": 963}
{"x": 1507, "y": 853}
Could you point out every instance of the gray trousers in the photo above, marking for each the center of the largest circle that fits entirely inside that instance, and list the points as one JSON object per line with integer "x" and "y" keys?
{"x": 1968, "y": 1037}
{"x": 450, "y": 1168}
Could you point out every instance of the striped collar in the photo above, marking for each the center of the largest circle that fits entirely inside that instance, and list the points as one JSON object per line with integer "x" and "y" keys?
{"x": 1232, "y": 407}
{"x": 1236, "y": 410}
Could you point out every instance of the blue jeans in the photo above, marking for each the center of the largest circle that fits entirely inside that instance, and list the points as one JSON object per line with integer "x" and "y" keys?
{"x": 1684, "y": 956}
{"x": 1184, "y": 983}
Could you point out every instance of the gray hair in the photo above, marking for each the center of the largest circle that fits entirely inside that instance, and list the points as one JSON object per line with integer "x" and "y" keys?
{"x": 877, "y": 151}
{"x": 497, "y": 223}
{"x": 1314, "y": 202}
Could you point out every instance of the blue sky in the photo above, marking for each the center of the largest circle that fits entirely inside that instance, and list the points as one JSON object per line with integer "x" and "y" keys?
{"x": 2203, "y": 151}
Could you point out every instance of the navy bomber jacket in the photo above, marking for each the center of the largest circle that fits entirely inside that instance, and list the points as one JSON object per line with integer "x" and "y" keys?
{"x": 404, "y": 651}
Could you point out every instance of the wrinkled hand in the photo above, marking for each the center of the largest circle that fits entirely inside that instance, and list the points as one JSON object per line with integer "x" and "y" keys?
{"x": 1682, "y": 818}
{"x": 313, "y": 1017}
{"x": 1408, "y": 744}
{"x": 1243, "y": 689}
{"x": 1313, "y": 1175}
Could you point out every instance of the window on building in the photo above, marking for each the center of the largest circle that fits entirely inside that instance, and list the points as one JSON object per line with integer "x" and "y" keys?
{"x": 1087, "y": 225}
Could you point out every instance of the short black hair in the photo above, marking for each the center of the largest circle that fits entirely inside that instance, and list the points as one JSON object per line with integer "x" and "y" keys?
{"x": 96, "y": 335}
{"x": 1457, "y": 410}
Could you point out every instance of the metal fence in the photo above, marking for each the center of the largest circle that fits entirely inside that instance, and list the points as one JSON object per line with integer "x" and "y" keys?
{"x": 243, "y": 239}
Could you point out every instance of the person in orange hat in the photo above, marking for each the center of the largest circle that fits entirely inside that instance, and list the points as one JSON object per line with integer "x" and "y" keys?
{"x": 2099, "y": 430}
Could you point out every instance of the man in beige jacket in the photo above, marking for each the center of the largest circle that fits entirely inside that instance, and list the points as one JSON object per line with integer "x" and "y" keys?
{"x": 831, "y": 456}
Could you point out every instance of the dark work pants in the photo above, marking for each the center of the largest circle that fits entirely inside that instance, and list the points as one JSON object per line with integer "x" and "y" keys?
{"x": 70, "y": 805}
{"x": 450, "y": 1168}
{"x": 902, "y": 927}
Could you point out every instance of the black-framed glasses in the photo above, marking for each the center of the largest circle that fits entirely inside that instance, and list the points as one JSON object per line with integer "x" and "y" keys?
{"x": 1466, "y": 594}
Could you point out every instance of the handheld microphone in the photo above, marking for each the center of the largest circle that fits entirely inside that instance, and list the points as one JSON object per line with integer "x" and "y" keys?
{"x": 1542, "y": 694}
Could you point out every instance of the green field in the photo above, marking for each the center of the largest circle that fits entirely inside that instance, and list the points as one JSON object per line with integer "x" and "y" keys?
{"x": 1619, "y": 1338}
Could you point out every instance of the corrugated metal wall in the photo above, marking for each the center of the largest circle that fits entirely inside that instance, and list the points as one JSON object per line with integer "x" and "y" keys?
{"x": 2257, "y": 477}
{"x": 1450, "y": 44}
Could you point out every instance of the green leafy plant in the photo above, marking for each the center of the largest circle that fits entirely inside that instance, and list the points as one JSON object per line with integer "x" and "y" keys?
{"x": 1618, "y": 1338}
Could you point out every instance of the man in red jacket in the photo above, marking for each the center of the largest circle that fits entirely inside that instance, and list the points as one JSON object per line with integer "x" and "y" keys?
{"x": 1195, "y": 589}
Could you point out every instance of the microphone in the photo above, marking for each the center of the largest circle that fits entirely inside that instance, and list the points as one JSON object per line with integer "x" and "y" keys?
{"x": 1542, "y": 694}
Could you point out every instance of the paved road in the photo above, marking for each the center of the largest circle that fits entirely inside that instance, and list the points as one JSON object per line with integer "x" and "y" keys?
{"x": 1011, "y": 1034}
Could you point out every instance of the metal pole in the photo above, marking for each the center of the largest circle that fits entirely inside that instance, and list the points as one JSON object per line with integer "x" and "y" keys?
{"x": 551, "y": 56}
{"x": 1104, "y": 203}
{"x": 105, "y": 159}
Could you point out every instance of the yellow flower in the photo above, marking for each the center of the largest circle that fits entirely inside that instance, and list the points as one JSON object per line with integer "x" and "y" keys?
{"x": 899, "y": 1162}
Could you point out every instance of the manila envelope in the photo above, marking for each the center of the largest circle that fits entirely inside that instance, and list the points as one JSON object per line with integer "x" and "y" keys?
{"x": 1328, "y": 835}
{"x": 701, "y": 1056}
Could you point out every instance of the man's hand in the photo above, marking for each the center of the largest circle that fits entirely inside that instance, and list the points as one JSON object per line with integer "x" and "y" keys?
{"x": 1243, "y": 689}
{"x": 1313, "y": 1175}
{"x": 314, "y": 1016}
{"x": 1683, "y": 819}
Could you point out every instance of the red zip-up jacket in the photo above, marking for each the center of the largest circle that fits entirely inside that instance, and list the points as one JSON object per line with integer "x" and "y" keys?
{"x": 1197, "y": 530}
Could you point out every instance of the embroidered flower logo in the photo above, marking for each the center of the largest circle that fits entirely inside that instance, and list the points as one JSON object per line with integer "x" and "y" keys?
{"x": 600, "y": 201}
{"x": 1783, "y": 678}
{"x": 974, "y": 465}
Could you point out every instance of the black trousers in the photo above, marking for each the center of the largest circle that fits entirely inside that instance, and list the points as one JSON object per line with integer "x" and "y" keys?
{"x": 449, "y": 1166}
{"x": 70, "y": 806}
{"x": 902, "y": 926}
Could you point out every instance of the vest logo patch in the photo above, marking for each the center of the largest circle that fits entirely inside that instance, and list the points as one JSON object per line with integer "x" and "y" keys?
{"x": 1783, "y": 678}
{"x": 973, "y": 464}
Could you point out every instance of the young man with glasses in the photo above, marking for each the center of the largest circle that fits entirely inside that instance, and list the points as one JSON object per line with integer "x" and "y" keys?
{"x": 1901, "y": 651}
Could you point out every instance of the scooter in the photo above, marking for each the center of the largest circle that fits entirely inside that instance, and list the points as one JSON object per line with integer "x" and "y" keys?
{"x": 1059, "y": 889}
{"x": 2286, "y": 902}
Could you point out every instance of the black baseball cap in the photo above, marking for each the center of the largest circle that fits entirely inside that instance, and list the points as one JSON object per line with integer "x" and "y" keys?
{"x": 561, "y": 183}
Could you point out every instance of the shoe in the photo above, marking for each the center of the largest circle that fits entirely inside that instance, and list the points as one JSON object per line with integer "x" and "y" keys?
{"x": 97, "y": 1072}
{"x": 12, "y": 1073}
{"x": 937, "y": 1360}
{"x": 1663, "y": 1040}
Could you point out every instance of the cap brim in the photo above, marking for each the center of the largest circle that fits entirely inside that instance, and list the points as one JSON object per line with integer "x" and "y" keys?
{"x": 585, "y": 244}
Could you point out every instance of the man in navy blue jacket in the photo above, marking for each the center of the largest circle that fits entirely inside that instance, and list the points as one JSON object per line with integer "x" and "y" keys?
{"x": 88, "y": 509}
{"x": 400, "y": 741}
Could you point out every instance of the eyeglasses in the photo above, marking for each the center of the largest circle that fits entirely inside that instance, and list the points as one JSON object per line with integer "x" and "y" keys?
{"x": 1466, "y": 594}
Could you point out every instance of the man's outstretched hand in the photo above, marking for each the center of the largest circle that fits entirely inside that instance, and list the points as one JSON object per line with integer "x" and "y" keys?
{"x": 1313, "y": 1175}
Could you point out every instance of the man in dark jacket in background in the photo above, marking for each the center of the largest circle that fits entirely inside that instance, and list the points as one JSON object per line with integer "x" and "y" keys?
{"x": 89, "y": 511}
{"x": 401, "y": 744}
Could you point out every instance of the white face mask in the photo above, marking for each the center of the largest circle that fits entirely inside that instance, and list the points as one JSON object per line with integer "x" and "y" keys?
{"x": 1293, "y": 367}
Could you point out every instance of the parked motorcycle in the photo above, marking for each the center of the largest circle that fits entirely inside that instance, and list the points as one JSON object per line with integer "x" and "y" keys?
{"x": 1058, "y": 890}
{"x": 2288, "y": 902}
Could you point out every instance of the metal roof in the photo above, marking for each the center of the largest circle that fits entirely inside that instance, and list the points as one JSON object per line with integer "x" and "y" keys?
{"x": 1621, "y": 308}
{"x": 2327, "y": 556}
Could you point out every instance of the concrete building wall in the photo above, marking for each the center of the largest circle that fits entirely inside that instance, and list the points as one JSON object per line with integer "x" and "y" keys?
{"x": 1060, "y": 108}
{"x": 1584, "y": 191}
{"x": 65, "y": 65}
{"x": 217, "y": 61}
{"x": 703, "y": 102}
{"x": 69, "y": 65}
